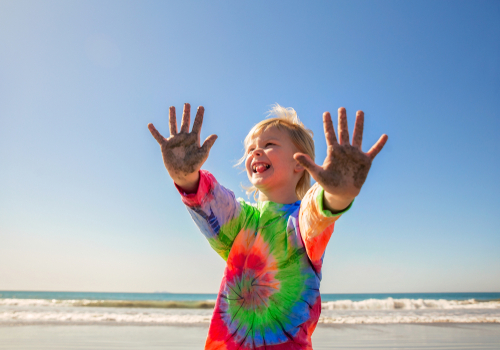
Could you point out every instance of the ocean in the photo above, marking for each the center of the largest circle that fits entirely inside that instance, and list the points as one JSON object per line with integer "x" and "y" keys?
{"x": 24, "y": 307}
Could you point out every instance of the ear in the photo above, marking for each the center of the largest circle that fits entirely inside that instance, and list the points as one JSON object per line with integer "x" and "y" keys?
{"x": 298, "y": 168}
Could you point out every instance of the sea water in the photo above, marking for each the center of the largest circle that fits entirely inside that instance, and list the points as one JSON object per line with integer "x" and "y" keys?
{"x": 23, "y": 307}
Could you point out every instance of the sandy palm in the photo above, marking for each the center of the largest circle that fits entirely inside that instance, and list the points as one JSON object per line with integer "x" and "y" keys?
{"x": 182, "y": 154}
{"x": 346, "y": 166}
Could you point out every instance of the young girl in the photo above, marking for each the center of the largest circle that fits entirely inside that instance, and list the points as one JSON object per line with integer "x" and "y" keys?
{"x": 269, "y": 296}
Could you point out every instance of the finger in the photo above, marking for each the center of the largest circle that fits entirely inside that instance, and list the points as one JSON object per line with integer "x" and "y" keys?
{"x": 208, "y": 143}
{"x": 198, "y": 121}
{"x": 160, "y": 139}
{"x": 186, "y": 118}
{"x": 172, "y": 121}
{"x": 343, "y": 131}
{"x": 378, "y": 146}
{"x": 357, "y": 135}
{"x": 330, "y": 137}
{"x": 307, "y": 163}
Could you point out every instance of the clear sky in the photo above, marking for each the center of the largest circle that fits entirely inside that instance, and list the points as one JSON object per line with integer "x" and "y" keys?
{"x": 86, "y": 204}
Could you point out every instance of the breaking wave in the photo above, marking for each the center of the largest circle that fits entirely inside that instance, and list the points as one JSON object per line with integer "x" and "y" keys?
{"x": 183, "y": 312}
{"x": 424, "y": 318}
{"x": 145, "y": 318}
{"x": 102, "y": 317}
{"x": 409, "y": 304}
{"x": 208, "y": 304}
{"x": 369, "y": 304}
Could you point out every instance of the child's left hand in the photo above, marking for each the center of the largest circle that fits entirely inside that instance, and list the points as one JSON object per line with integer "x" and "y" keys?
{"x": 346, "y": 167}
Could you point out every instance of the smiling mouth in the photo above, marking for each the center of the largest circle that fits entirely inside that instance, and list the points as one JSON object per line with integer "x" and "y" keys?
{"x": 260, "y": 168}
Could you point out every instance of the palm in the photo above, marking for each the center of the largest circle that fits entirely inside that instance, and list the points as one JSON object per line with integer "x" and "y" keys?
{"x": 346, "y": 166}
{"x": 182, "y": 154}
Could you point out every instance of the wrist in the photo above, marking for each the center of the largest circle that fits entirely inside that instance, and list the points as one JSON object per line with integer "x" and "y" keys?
{"x": 188, "y": 183}
{"x": 336, "y": 203}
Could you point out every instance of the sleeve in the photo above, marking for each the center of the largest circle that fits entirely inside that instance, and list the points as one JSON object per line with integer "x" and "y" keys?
{"x": 316, "y": 225}
{"x": 216, "y": 212}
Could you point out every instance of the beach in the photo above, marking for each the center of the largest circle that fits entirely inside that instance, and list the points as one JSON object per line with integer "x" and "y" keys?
{"x": 128, "y": 337}
{"x": 108, "y": 321}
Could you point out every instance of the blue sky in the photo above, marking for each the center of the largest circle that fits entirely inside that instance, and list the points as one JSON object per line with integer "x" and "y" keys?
{"x": 85, "y": 203}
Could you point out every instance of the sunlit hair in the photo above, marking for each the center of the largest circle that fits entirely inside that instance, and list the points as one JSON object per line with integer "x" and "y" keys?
{"x": 284, "y": 119}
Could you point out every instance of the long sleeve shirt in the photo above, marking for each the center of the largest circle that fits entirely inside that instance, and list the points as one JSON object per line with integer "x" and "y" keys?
{"x": 269, "y": 296}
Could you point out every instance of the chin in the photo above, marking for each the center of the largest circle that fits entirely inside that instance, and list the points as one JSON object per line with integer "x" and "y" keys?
{"x": 255, "y": 180}
{"x": 261, "y": 184}
{"x": 258, "y": 184}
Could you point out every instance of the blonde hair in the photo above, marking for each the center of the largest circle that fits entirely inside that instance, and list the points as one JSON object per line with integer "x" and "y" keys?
{"x": 284, "y": 119}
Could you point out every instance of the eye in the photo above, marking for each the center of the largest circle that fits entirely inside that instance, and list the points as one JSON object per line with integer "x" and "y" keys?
{"x": 269, "y": 143}
{"x": 250, "y": 150}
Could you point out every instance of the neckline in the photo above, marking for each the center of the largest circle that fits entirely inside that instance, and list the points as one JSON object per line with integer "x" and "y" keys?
{"x": 270, "y": 204}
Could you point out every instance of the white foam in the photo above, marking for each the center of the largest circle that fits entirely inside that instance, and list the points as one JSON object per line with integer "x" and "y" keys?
{"x": 96, "y": 317}
{"x": 369, "y": 304}
{"x": 161, "y": 318}
{"x": 108, "y": 303}
{"x": 392, "y": 319}
{"x": 408, "y": 304}
{"x": 38, "y": 302}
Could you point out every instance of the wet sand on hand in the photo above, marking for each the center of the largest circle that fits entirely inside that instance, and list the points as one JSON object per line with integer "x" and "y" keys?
{"x": 127, "y": 337}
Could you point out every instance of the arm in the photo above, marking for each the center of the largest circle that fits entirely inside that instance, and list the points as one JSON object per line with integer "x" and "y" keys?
{"x": 316, "y": 224}
{"x": 339, "y": 181}
{"x": 213, "y": 208}
{"x": 216, "y": 212}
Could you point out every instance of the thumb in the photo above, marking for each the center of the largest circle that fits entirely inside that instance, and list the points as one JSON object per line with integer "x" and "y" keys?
{"x": 208, "y": 143}
{"x": 158, "y": 137}
{"x": 307, "y": 163}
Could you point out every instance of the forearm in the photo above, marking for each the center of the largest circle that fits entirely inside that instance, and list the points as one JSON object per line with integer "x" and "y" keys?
{"x": 334, "y": 203}
{"x": 316, "y": 223}
{"x": 216, "y": 212}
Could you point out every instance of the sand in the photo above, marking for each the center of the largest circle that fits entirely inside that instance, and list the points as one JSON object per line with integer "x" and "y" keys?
{"x": 126, "y": 337}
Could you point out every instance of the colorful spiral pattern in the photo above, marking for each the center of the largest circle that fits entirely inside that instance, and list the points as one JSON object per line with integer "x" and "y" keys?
{"x": 269, "y": 296}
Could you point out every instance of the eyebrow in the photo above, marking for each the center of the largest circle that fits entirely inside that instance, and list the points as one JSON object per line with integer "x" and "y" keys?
{"x": 265, "y": 140}
{"x": 268, "y": 139}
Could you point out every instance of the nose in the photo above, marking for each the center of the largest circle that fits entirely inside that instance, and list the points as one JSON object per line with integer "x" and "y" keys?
{"x": 257, "y": 152}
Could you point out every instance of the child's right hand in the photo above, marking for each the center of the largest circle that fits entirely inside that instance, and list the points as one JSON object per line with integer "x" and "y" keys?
{"x": 182, "y": 154}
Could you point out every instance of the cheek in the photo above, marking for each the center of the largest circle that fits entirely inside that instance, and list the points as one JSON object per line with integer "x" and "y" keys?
{"x": 278, "y": 158}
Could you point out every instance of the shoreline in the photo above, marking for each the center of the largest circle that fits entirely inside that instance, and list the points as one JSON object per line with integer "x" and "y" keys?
{"x": 206, "y": 325}
{"x": 189, "y": 337}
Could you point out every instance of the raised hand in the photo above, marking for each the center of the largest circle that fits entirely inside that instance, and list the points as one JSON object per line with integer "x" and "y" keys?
{"x": 182, "y": 155}
{"x": 346, "y": 166}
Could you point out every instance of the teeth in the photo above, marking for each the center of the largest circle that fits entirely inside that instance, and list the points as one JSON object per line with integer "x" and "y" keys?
{"x": 254, "y": 167}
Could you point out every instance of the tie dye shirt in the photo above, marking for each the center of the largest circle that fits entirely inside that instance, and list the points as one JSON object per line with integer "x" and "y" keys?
{"x": 269, "y": 296}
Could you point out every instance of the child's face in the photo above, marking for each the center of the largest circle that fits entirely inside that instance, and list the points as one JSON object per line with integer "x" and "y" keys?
{"x": 270, "y": 164}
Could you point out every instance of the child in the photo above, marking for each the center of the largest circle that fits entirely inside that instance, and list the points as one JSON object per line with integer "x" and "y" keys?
{"x": 269, "y": 296}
